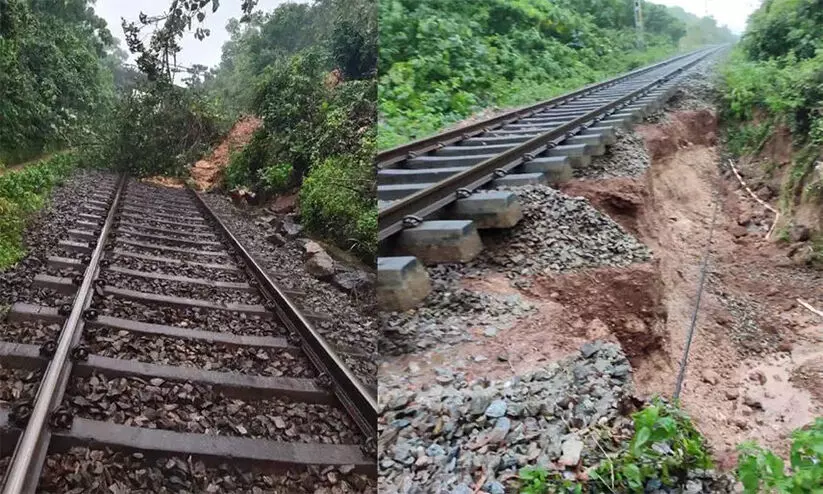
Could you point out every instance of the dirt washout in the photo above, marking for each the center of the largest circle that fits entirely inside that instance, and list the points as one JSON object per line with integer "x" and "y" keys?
{"x": 208, "y": 172}
{"x": 756, "y": 356}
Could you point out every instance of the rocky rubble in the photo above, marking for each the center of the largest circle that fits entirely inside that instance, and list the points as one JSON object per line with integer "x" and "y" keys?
{"x": 558, "y": 233}
{"x": 627, "y": 157}
{"x": 447, "y": 437}
{"x": 448, "y": 314}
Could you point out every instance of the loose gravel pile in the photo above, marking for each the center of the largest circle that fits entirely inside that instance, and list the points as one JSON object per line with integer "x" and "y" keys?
{"x": 448, "y": 313}
{"x": 446, "y": 438}
{"x": 354, "y": 324}
{"x": 197, "y": 408}
{"x": 107, "y": 472}
{"x": 18, "y": 385}
{"x": 558, "y": 233}
{"x": 449, "y": 439}
{"x": 627, "y": 157}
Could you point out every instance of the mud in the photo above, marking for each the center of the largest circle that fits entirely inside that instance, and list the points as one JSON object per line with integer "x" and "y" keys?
{"x": 208, "y": 172}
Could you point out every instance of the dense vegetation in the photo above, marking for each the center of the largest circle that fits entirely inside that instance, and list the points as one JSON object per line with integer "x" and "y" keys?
{"x": 441, "y": 60}
{"x": 312, "y": 69}
{"x": 54, "y": 81}
{"x": 774, "y": 79}
{"x": 21, "y": 194}
{"x": 307, "y": 69}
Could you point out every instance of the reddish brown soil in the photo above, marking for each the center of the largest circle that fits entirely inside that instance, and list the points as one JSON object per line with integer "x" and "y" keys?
{"x": 208, "y": 172}
{"x": 648, "y": 308}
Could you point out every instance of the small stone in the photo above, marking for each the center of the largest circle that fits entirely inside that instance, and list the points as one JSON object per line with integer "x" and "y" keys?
{"x": 711, "y": 377}
{"x": 434, "y": 450}
{"x": 494, "y": 488}
{"x": 276, "y": 239}
{"x": 693, "y": 487}
{"x": 490, "y": 331}
{"x": 758, "y": 376}
{"x": 571, "y": 451}
{"x": 496, "y": 409}
{"x": 732, "y": 394}
{"x": 753, "y": 401}
{"x": 588, "y": 350}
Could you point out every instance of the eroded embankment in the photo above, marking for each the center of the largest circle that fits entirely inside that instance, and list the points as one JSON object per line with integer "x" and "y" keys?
{"x": 752, "y": 363}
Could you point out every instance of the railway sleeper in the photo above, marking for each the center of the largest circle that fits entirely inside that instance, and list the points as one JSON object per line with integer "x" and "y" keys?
{"x": 29, "y": 312}
{"x": 169, "y": 260}
{"x": 263, "y": 454}
{"x": 234, "y": 384}
{"x": 185, "y": 303}
{"x": 402, "y": 282}
{"x": 166, "y": 238}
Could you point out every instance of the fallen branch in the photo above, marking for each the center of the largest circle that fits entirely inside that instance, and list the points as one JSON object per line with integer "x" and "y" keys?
{"x": 759, "y": 200}
{"x": 812, "y": 309}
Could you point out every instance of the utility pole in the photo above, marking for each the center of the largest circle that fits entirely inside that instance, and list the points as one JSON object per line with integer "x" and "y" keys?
{"x": 638, "y": 22}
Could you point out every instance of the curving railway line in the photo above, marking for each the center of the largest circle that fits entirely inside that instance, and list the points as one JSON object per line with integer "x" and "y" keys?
{"x": 436, "y": 193}
{"x": 243, "y": 377}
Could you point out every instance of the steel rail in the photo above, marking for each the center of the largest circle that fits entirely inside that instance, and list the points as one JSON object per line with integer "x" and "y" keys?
{"x": 399, "y": 153}
{"x": 354, "y": 397}
{"x": 23, "y": 473}
{"x": 424, "y": 202}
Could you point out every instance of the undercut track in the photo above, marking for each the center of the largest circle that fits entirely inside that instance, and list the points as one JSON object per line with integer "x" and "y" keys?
{"x": 166, "y": 344}
{"x": 434, "y": 194}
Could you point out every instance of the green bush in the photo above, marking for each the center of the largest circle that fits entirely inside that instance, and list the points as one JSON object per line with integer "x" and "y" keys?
{"x": 276, "y": 177}
{"x": 157, "y": 129}
{"x": 665, "y": 446}
{"x": 22, "y": 193}
{"x": 760, "y": 470}
{"x": 337, "y": 201}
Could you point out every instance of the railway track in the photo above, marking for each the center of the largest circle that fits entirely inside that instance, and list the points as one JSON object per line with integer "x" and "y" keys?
{"x": 157, "y": 334}
{"x": 436, "y": 193}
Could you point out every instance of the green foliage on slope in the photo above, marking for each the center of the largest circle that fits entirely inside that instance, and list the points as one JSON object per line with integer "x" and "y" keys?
{"x": 313, "y": 72}
{"x": 53, "y": 79}
{"x": 22, "y": 193}
{"x": 441, "y": 61}
{"x": 774, "y": 79}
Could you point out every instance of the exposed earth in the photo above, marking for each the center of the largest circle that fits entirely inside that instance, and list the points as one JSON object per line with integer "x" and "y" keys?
{"x": 755, "y": 369}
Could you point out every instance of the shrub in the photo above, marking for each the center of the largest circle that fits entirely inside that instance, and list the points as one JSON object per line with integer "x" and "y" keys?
{"x": 22, "y": 193}
{"x": 157, "y": 129}
{"x": 760, "y": 470}
{"x": 276, "y": 177}
{"x": 337, "y": 201}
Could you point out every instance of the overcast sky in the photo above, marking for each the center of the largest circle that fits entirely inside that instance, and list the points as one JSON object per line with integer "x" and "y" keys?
{"x": 732, "y": 13}
{"x": 206, "y": 52}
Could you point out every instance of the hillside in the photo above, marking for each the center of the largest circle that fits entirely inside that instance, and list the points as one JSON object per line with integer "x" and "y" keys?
{"x": 440, "y": 62}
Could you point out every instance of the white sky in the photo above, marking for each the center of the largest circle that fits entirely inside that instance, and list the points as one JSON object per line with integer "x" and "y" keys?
{"x": 206, "y": 52}
{"x": 732, "y": 13}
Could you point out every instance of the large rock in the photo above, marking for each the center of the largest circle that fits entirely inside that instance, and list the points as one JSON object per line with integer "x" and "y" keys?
{"x": 289, "y": 227}
{"x": 319, "y": 263}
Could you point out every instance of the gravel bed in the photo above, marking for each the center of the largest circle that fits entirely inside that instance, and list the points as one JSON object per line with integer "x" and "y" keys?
{"x": 448, "y": 313}
{"x": 196, "y": 408}
{"x": 354, "y": 322}
{"x": 169, "y": 243}
{"x": 193, "y": 318}
{"x": 558, "y": 233}
{"x": 190, "y": 353}
{"x": 17, "y": 385}
{"x": 185, "y": 290}
{"x": 224, "y": 258}
{"x": 184, "y": 231}
{"x": 29, "y": 332}
{"x": 364, "y": 367}
{"x": 445, "y": 438}
{"x": 44, "y": 231}
{"x": 697, "y": 89}
{"x": 97, "y": 471}
{"x": 179, "y": 269}
{"x": 627, "y": 157}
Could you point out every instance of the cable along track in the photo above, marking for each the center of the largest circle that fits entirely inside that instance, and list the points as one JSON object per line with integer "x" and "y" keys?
{"x": 434, "y": 194}
{"x": 176, "y": 344}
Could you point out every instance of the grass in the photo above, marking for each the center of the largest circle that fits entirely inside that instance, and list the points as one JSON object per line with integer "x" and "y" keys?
{"x": 22, "y": 193}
